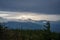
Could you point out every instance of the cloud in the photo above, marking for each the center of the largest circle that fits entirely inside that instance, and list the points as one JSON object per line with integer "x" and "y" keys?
{"x": 38, "y": 6}
{"x": 28, "y": 15}
{"x": 3, "y": 20}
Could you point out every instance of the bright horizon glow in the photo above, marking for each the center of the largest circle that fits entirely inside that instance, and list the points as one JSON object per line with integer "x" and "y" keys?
{"x": 28, "y": 15}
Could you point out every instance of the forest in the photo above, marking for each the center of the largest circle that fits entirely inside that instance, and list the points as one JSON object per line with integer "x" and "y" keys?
{"x": 19, "y": 34}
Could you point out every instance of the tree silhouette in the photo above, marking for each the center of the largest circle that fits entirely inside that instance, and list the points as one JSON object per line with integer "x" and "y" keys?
{"x": 47, "y": 32}
{"x": 1, "y": 32}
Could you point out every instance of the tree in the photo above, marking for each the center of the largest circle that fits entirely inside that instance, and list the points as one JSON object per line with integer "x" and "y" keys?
{"x": 47, "y": 32}
{"x": 1, "y": 32}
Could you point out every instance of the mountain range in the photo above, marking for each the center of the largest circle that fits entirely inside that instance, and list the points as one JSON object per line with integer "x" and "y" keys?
{"x": 55, "y": 25}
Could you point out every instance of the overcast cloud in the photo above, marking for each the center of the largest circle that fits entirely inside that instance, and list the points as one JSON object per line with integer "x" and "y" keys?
{"x": 30, "y": 9}
{"x": 38, "y": 6}
{"x": 28, "y": 15}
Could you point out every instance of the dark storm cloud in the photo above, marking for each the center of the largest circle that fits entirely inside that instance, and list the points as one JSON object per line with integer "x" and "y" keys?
{"x": 39, "y": 6}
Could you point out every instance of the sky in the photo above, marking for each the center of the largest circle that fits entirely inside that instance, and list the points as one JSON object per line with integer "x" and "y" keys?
{"x": 30, "y": 9}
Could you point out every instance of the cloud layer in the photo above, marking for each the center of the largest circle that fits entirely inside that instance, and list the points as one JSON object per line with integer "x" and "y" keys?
{"x": 28, "y": 16}
{"x": 39, "y": 6}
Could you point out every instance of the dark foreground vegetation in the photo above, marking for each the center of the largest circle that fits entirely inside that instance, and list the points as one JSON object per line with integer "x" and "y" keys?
{"x": 17, "y": 34}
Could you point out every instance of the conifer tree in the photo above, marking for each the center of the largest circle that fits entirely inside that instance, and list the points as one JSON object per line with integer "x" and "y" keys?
{"x": 1, "y": 32}
{"x": 47, "y": 31}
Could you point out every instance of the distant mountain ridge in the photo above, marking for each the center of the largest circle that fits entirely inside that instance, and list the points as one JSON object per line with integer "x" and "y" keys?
{"x": 55, "y": 26}
{"x": 24, "y": 25}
